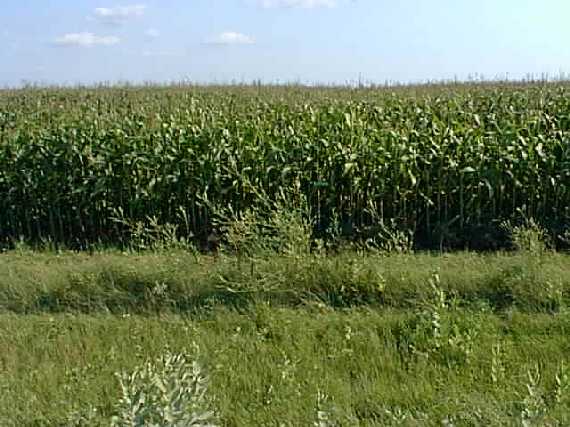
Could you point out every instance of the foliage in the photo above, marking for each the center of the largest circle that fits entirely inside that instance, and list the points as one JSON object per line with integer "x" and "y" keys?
{"x": 444, "y": 164}
{"x": 269, "y": 365}
{"x": 169, "y": 392}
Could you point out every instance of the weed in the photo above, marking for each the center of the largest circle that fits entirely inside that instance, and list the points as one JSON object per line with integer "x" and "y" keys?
{"x": 171, "y": 391}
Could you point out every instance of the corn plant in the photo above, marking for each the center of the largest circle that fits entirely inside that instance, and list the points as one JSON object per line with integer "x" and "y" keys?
{"x": 443, "y": 164}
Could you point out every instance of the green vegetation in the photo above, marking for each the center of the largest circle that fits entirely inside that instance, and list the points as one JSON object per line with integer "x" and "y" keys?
{"x": 312, "y": 304}
{"x": 269, "y": 366}
{"x": 178, "y": 283}
{"x": 350, "y": 339}
{"x": 447, "y": 165}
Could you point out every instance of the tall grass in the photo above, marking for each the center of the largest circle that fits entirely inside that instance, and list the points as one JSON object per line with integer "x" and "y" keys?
{"x": 286, "y": 367}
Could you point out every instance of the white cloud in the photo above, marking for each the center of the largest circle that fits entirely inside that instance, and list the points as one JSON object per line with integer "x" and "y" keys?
{"x": 231, "y": 38}
{"x": 86, "y": 40}
{"x": 303, "y": 4}
{"x": 152, "y": 33}
{"x": 119, "y": 14}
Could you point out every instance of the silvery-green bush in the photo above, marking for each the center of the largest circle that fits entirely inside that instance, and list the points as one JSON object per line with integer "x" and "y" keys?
{"x": 170, "y": 391}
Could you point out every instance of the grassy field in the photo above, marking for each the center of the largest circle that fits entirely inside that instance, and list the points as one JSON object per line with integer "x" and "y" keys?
{"x": 288, "y": 256}
{"x": 292, "y": 367}
{"x": 346, "y": 339}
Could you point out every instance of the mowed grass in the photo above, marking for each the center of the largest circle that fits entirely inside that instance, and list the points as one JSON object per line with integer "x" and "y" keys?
{"x": 346, "y": 339}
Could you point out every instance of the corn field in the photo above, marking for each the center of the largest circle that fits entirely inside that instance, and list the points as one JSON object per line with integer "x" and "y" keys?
{"x": 446, "y": 163}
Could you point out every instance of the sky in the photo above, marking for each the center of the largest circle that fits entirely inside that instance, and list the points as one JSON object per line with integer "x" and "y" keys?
{"x": 279, "y": 41}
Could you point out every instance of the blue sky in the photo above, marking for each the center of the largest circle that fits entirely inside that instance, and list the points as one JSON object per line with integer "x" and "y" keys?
{"x": 86, "y": 41}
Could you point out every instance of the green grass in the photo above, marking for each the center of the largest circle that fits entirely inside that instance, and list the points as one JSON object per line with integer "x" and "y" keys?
{"x": 267, "y": 366}
{"x": 309, "y": 305}
{"x": 179, "y": 282}
{"x": 359, "y": 339}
